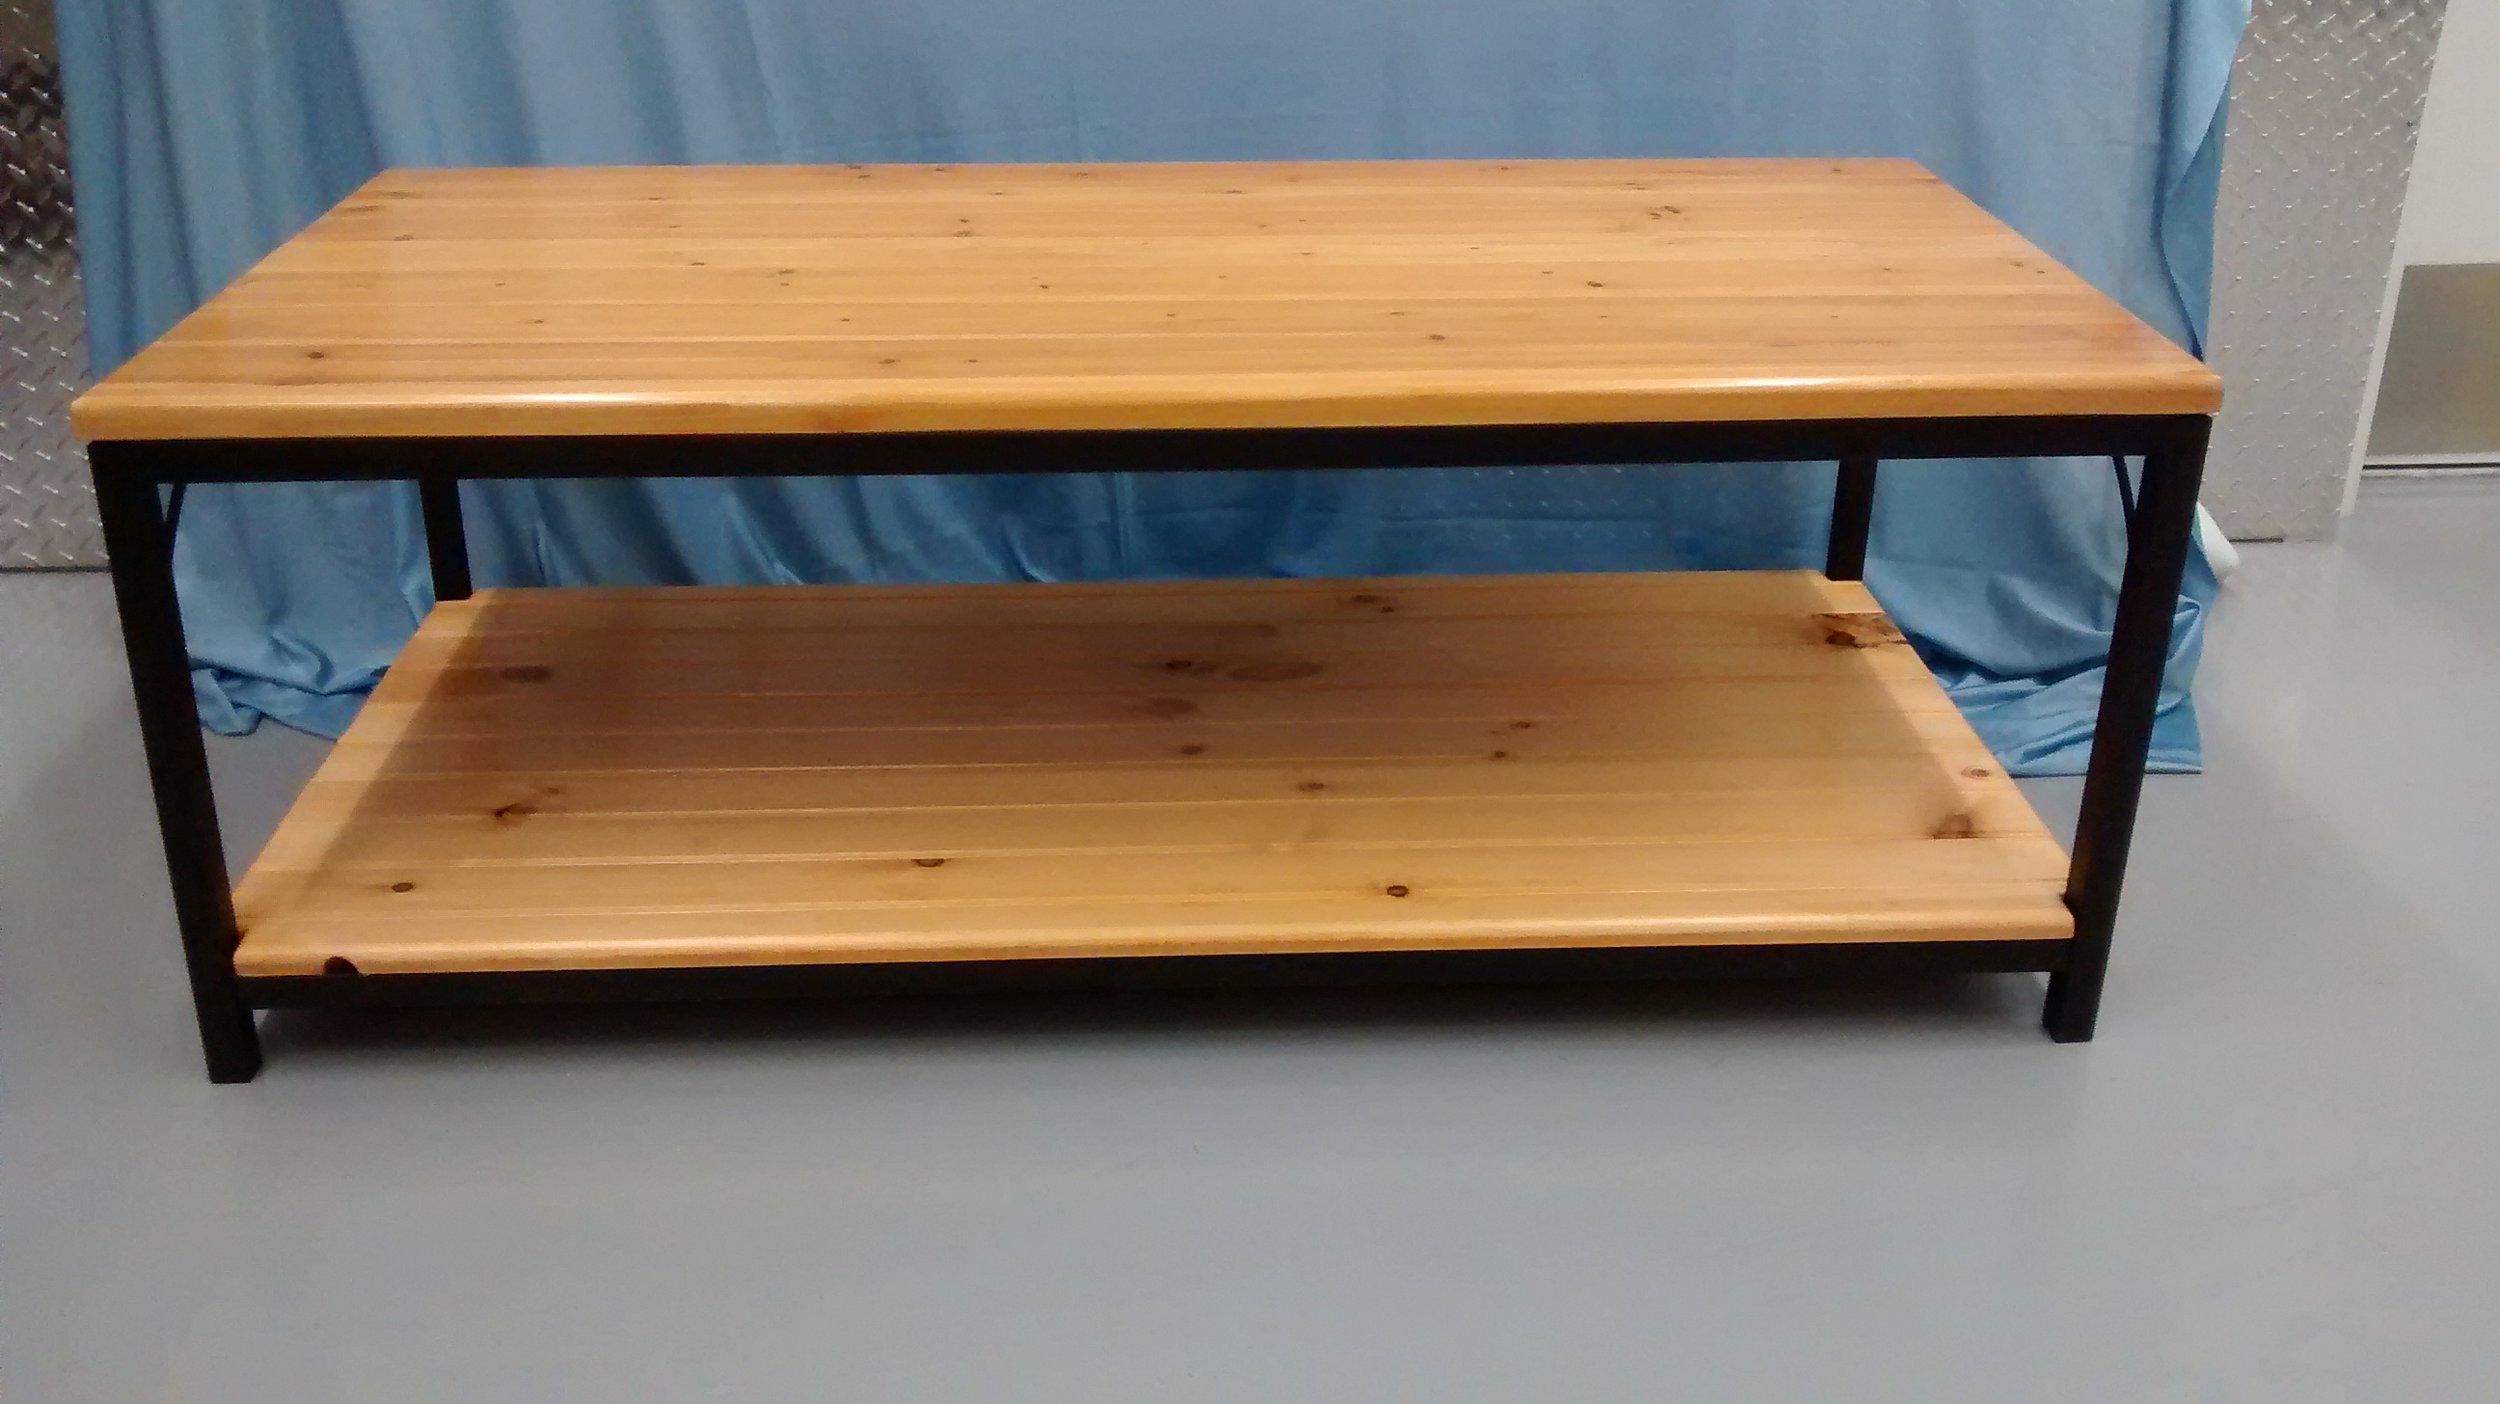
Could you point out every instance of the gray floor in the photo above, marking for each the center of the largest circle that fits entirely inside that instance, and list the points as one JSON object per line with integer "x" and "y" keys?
{"x": 2276, "y": 1177}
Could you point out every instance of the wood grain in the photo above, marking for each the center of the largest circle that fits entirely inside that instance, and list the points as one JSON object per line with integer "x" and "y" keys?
{"x": 722, "y": 300}
{"x": 609, "y": 778}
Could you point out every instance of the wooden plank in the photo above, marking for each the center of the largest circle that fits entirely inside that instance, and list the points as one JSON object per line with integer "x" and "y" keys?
{"x": 637, "y": 609}
{"x": 523, "y": 836}
{"x": 1465, "y": 742}
{"x": 708, "y": 793}
{"x": 289, "y": 944}
{"x": 1109, "y": 648}
{"x": 956, "y": 364}
{"x": 832, "y": 299}
{"x": 776, "y": 182}
{"x": 1328, "y": 638}
{"x": 348, "y": 319}
{"x": 1198, "y": 677}
{"x": 1793, "y": 775}
{"x": 1187, "y": 661}
{"x": 551, "y": 710}
{"x": 1023, "y": 889}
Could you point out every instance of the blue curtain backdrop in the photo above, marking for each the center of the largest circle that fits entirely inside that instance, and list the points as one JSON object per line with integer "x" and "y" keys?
{"x": 204, "y": 134}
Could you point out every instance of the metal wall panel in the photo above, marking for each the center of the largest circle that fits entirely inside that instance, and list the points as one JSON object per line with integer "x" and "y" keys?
{"x": 47, "y": 509}
{"x": 2326, "y": 97}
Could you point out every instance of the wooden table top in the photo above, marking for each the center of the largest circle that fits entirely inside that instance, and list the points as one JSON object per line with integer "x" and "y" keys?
{"x": 782, "y": 299}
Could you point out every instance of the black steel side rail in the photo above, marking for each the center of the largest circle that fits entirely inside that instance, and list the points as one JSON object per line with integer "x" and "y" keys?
{"x": 1142, "y": 450}
{"x": 1331, "y": 968}
{"x": 129, "y": 473}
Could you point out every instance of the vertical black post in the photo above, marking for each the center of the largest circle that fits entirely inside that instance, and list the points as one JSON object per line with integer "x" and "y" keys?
{"x": 446, "y": 537}
{"x": 1853, "y": 515}
{"x": 141, "y": 557}
{"x": 2139, "y": 646}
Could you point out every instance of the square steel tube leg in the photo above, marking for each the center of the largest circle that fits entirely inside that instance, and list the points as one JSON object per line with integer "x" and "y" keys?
{"x": 140, "y": 551}
{"x": 1853, "y": 518}
{"x": 446, "y": 536}
{"x": 2148, "y": 598}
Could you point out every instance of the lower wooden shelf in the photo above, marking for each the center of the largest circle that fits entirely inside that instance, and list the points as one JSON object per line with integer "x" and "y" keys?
{"x": 604, "y": 779}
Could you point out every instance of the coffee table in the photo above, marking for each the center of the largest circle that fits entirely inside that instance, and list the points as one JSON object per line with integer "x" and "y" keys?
{"x": 567, "y": 794}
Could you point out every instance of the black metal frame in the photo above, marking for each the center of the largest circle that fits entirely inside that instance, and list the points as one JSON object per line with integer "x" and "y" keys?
{"x": 1865, "y": 958}
{"x": 138, "y": 537}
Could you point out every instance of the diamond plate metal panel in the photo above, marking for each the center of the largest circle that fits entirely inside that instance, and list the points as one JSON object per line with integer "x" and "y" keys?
{"x": 2326, "y": 96}
{"x": 47, "y": 509}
